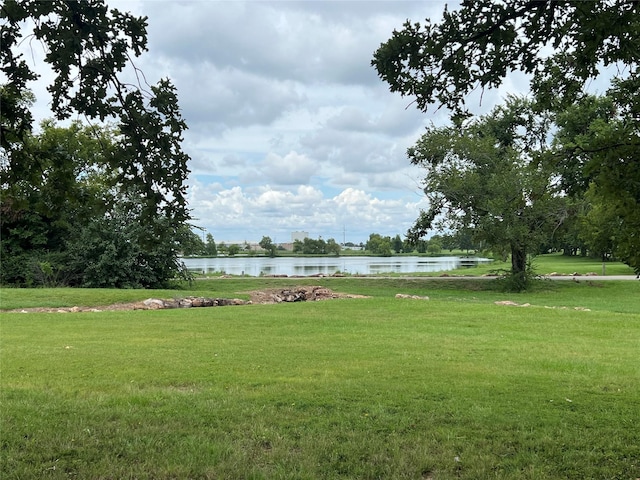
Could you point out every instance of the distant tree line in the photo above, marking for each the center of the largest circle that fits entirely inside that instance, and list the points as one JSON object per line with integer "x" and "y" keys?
{"x": 309, "y": 246}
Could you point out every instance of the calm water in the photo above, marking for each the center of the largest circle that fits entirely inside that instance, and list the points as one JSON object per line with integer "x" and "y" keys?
{"x": 304, "y": 266}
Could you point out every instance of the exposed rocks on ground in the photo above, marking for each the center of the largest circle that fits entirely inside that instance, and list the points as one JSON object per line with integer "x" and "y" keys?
{"x": 188, "y": 302}
{"x": 276, "y": 295}
{"x": 509, "y": 303}
{"x": 297, "y": 294}
{"x": 574, "y": 274}
{"x": 412, "y": 297}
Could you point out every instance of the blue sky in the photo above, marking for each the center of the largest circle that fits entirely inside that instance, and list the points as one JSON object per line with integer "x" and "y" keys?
{"x": 289, "y": 126}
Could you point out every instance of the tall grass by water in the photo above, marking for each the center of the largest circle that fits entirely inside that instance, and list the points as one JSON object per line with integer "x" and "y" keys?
{"x": 380, "y": 387}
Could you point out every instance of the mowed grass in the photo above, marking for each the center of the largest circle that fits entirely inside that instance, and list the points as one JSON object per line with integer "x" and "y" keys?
{"x": 453, "y": 387}
{"x": 552, "y": 263}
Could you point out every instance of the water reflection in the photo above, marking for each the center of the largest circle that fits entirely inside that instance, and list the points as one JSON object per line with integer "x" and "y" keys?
{"x": 306, "y": 266}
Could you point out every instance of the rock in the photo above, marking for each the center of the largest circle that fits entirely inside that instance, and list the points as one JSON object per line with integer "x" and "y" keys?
{"x": 185, "y": 303}
{"x": 413, "y": 297}
{"x": 198, "y": 302}
{"x": 153, "y": 303}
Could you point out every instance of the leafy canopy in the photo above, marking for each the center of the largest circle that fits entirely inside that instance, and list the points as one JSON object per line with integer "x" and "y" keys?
{"x": 482, "y": 42}
{"x": 122, "y": 178}
{"x": 563, "y": 46}
{"x": 88, "y": 47}
{"x": 488, "y": 178}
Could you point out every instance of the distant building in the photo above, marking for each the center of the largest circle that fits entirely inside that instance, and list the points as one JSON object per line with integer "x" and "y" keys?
{"x": 299, "y": 236}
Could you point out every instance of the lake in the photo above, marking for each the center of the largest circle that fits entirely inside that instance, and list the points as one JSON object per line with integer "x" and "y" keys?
{"x": 306, "y": 266}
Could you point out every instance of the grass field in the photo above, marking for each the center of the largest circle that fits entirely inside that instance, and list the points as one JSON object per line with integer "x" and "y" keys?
{"x": 555, "y": 263}
{"x": 455, "y": 387}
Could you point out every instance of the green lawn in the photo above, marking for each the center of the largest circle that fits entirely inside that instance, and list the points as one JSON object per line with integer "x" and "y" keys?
{"x": 456, "y": 387}
{"x": 553, "y": 263}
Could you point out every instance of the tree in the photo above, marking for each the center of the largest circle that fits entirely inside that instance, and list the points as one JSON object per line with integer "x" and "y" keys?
{"x": 397, "y": 244}
{"x": 211, "y": 249}
{"x": 379, "y": 245}
{"x": 233, "y": 250}
{"x": 107, "y": 253}
{"x": 476, "y": 46}
{"x": 68, "y": 192}
{"x": 479, "y": 44}
{"x": 333, "y": 247}
{"x": 594, "y": 156}
{"x": 488, "y": 178}
{"x": 434, "y": 246}
{"x": 600, "y": 229}
{"x": 88, "y": 47}
{"x": 420, "y": 244}
{"x": 191, "y": 244}
{"x": 267, "y": 244}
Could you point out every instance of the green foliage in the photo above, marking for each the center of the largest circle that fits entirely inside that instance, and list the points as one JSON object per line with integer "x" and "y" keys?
{"x": 596, "y": 150}
{"x": 57, "y": 214}
{"x": 62, "y": 182}
{"x": 211, "y": 249}
{"x": 397, "y": 244}
{"x": 480, "y": 43}
{"x": 57, "y": 182}
{"x": 486, "y": 178}
{"x": 190, "y": 243}
{"x": 600, "y": 228}
{"x": 434, "y": 246}
{"x": 310, "y": 246}
{"x": 333, "y": 247}
{"x": 108, "y": 253}
{"x": 517, "y": 281}
{"x": 267, "y": 244}
{"x": 379, "y": 245}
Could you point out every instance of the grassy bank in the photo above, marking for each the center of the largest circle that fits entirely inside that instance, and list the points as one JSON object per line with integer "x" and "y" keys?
{"x": 454, "y": 387}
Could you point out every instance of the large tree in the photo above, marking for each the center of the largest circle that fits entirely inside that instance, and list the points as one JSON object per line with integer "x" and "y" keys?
{"x": 66, "y": 220}
{"x": 564, "y": 46}
{"x": 488, "y": 178}
{"x": 64, "y": 182}
{"x": 90, "y": 49}
{"x": 595, "y": 154}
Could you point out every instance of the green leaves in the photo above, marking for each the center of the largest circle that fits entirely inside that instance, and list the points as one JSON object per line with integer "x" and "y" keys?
{"x": 485, "y": 178}
{"x": 88, "y": 48}
{"x": 564, "y": 46}
{"x": 477, "y": 45}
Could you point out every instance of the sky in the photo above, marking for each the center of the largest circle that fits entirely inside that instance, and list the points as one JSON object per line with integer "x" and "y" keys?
{"x": 290, "y": 128}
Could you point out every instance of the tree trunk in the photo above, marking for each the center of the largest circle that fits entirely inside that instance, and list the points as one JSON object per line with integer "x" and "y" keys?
{"x": 519, "y": 280}
{"x": 518, "y": 260}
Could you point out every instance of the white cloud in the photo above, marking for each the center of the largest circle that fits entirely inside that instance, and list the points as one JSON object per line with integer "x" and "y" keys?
{"x": 242, "y": 214}
{"x": 289, "y": 126}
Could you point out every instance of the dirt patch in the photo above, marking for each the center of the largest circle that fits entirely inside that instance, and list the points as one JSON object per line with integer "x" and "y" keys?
{"x": 268, "y": 296}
